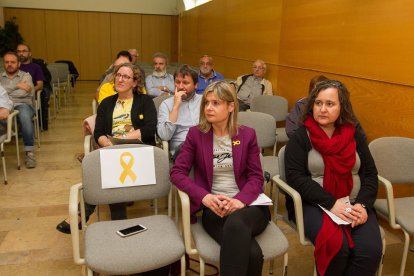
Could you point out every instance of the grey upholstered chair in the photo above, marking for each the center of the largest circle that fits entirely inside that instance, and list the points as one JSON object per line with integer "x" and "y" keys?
{"x": 272, "y": 241}
{"x": 276, "y": 106}
{"x": 106, "y": 252}
{"x": 281, "y": 184}
{"x": 265, "y": 127}
{"x": 394, "y": 158}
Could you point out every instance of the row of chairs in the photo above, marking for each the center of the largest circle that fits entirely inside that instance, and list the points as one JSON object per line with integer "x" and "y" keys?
{"x": 61, "y": 81}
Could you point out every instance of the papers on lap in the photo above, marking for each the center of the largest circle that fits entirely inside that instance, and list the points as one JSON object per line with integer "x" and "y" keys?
{"x": 262, "y": 199}
{"x": 335, "y": 218}
{"x": 120, "y": 141}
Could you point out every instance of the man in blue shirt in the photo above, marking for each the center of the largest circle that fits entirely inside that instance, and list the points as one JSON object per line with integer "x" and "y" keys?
{"x": 206, "y": 74}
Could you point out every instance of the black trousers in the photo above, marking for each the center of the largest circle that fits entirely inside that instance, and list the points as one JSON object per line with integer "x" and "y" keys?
{"x": 363, "y": 259}
{"x": 240, "y": 254}
{"x": 44, "y": 102}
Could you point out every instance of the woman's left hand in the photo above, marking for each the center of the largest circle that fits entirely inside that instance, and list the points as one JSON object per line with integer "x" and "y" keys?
{"x": 361, "y": 214}
{"x": 232, "y": 205}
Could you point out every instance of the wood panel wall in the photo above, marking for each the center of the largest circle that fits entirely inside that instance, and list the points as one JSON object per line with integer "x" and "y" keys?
{"x": 92, "y": 39}
{"x": 365, "y": 44}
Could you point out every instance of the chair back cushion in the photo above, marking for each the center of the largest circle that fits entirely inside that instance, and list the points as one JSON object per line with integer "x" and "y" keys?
{"x": 264, "y": 125}
{"x": 92, "y": 185}
{"x": 276, "y": 106}
{"x": 394, "y": 158}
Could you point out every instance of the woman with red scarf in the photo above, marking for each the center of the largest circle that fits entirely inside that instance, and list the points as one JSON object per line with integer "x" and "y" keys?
{"x": 327, "y": 162}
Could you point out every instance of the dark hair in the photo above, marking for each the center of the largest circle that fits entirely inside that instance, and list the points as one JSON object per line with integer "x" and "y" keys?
{"x": 186, "y": 70}
{"x": 124, "y": 53}
{"x": 11, "y": 53}
{"x": 315, "y": 80}
{"x": 28, "y": 47}
{"x": 346, "y": 114}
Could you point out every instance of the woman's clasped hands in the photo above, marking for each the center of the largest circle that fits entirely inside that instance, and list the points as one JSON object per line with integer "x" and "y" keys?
{"x": 222, "y": 205}
{"x": 356, "y": 214}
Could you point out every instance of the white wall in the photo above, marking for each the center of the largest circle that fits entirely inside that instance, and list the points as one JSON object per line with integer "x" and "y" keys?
{"x": 164, "y": 7}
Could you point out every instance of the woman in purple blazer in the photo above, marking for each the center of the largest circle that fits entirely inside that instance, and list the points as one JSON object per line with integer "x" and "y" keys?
{"x": 228, "y": 177}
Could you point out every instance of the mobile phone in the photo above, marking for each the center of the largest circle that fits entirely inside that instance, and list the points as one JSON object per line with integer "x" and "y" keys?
{"x": 131, "y": 230}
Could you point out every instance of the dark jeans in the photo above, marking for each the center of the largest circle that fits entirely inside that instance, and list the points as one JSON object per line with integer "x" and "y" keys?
{"x": 363, "y": 259}
{"x": 240, "y": 254}
{"x": 118, "y": 210}
{"x": 44, "y": 97}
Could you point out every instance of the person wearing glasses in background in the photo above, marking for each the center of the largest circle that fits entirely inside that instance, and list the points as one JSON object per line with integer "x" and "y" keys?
{"x": 252, "y": 85}
{"x": 159, "y": 82}
{"x": 134, "y": 55}
{"x": 206, "y": 74}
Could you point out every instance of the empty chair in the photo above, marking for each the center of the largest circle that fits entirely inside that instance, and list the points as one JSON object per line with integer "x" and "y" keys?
{"x": 105, "y": 251}
{"x": 265, "y": 127}
{"x": 276, "y": 106}
{"x": 6, "y": 138}
{"x": 298, "y": 223}
{"x": 55, "y": 87}
{"x": 394, "y": 158}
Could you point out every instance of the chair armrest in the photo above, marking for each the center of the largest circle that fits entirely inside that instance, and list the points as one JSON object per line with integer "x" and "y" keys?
{"x": 74, "y": 196}
{"x": 87, "y": 144}
{"x": 94, "y": 106}
{"x": 390, "y": 201}
{"x": 185, "y": 216}
{"x": 11, "y": 119}
{"x": 297, "y": 201}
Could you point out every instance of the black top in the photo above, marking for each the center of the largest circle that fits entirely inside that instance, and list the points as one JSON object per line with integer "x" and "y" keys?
{"x": 141, "y": 105}
{"x": 299, "y": 177}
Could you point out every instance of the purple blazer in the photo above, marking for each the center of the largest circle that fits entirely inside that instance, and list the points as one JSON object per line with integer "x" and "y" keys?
{"x": 197, "y": 152}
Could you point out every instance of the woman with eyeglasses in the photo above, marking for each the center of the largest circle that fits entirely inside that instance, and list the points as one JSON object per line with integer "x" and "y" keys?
{"x": 128, "y": 114}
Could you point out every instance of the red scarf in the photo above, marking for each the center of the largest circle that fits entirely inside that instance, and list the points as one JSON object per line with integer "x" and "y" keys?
{"x": 338, "y": 153}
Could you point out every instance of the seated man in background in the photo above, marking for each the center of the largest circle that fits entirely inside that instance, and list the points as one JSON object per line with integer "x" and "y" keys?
{"x": 19, "y": 86}
{"x": 206, "y": 74}
{"x": 252, "y": 85}
{"x": 106, "y": 87}
{"x": 177, "y": 114}
{"x": 38, "y": 77}
{"x": 6, "y": 105}
{"x": 159, "y": 82}
{"x": 134, "y": 55}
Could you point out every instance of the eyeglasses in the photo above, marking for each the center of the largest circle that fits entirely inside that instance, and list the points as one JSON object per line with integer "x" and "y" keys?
{"x": 258, "y": 68}
{"x": 124, "y": 77}
{"x": 206, "y": 63}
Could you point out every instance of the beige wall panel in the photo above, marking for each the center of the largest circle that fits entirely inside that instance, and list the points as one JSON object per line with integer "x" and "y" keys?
{"x": 94, "y": 40}
{"x": 383, "y": 109}
{"x": 252, "y": 29}
{"x": 31, "y": 27}
{"x": 62, "y": 36}
{"x": 159, "y": 34}
{"x": 235, "y": 33}
{"x": 367, "y": 39}
{"x": 188, "y": 36}
{"x": 125, "y": 33}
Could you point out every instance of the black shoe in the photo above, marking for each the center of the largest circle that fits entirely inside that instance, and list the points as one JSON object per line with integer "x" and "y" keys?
{"x": 129, "y": 203}
{"x": 64, "y": 227}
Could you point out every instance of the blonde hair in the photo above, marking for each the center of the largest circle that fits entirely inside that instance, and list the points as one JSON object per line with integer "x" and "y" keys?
{"x": 225, "y": 92}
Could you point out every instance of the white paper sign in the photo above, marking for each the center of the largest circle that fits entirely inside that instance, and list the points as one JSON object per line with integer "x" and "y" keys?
{"x": 127, "y": 167}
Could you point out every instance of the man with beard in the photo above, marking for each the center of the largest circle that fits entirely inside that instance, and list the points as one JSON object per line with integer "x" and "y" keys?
{"x": 207, "y": 75}
{"x": 19, "y": 86}
{"x": 177, "y": 114}
{"x": 159, "y": 82}
{"x": 38, "y": 74}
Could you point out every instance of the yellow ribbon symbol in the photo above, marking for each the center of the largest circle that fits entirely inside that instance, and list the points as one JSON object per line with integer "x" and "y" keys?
{"x": 127, "y": 167}
{"x": 236, "y": 143}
